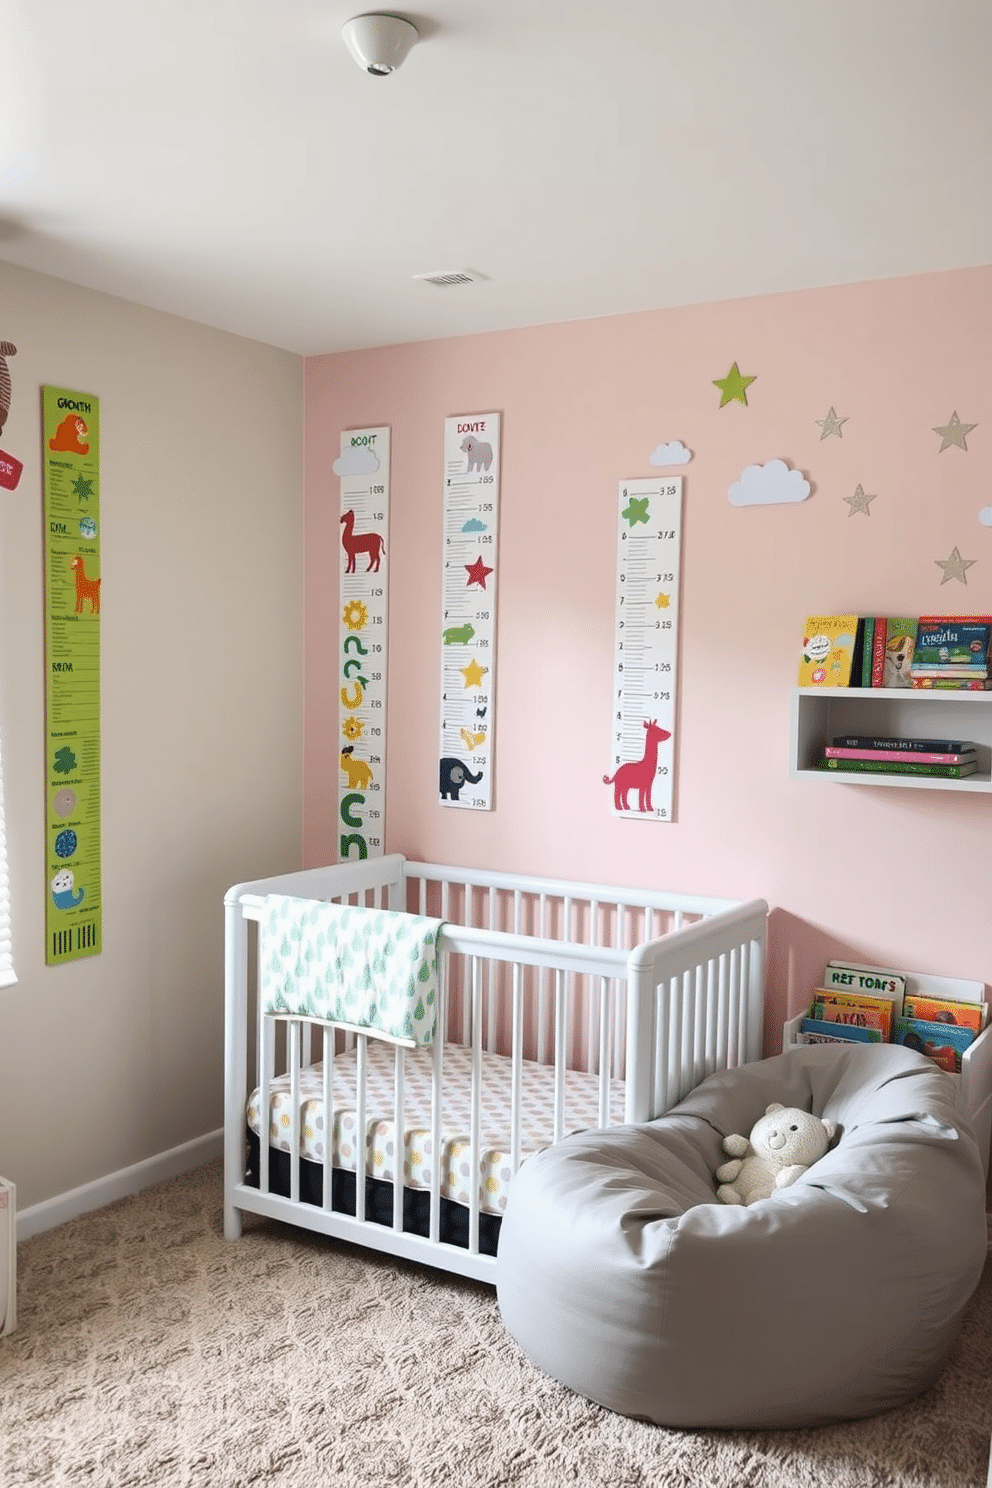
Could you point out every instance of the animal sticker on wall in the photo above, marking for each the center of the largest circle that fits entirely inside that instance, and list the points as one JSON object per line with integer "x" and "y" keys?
{"x": 468, "y": 609}
{"x": 646, "y": 640}
{"x": 10, "y": 466}
{"x": 359, "y": 751}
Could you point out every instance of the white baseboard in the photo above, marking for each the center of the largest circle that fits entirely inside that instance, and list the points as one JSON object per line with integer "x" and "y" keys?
{"x": 120, "y": 1185}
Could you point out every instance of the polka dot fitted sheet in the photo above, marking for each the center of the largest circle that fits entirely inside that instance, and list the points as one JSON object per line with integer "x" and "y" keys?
{"x": 536, "y": 1117}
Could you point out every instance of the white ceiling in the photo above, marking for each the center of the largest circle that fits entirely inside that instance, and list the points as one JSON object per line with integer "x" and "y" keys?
{"x": 227, "y": 160}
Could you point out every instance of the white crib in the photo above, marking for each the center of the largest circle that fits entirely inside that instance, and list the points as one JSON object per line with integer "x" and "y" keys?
{"x": 562, "y": 1006}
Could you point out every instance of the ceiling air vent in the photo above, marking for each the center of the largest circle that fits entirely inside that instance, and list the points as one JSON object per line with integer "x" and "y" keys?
{"x": 451, "y": 278}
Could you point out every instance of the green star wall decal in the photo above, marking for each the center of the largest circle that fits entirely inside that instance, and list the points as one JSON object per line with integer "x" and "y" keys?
{"x": 636, "y": 510}
{"x": 734, "y": 385}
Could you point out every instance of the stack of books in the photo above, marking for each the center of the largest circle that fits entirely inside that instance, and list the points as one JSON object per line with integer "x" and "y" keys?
{"x": 950, "y": 759}
{"x": 944, "y": 651}
{"x": 952, "y": 652}
{"x": 864, "y": 1004}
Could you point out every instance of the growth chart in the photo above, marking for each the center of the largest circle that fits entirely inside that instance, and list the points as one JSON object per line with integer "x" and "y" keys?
{"x": 645, "y": 669}
{"x": 363, "y": 469}
{"x": 468, "y": 609}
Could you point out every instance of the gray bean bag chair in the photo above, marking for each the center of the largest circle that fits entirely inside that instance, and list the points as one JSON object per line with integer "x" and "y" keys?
{"x": 621, "y": 1275}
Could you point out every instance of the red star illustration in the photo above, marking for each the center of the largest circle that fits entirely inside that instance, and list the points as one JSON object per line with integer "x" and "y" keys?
{"x": 477, "y": 573}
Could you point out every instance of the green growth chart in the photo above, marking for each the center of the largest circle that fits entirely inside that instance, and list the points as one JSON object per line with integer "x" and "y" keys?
{"x": 71, "y": 464}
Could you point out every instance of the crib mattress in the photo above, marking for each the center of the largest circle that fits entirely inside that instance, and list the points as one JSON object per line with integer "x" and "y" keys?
{"x": 495, "y": 1168}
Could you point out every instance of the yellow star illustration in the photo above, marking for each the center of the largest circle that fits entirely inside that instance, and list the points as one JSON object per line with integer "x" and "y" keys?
{"x": 734, "y": 385}
{"x": 473, "y": 673}
{"x": 663, "y": 601}
{"x": 953, "y": 432}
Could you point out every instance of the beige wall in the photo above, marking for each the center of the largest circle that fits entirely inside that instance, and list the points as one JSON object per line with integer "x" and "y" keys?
{"x": 113, "y": 1059}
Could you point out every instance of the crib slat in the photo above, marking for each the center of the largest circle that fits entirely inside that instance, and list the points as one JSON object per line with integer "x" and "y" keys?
{"x": 266, "y": 1054}
{"x": 293, "y": 1038}
{"x": 475, "y": 1145}
{"x": 516, "y": 1070}
{"x": 399, "y": 1137}
{"x": 328, "y": 1093}
{"x": 605, "y": 989}
{"x": 559, "y": 1118}
{"x": 361, "y": 1052}
{"x": 437, "y": 1094}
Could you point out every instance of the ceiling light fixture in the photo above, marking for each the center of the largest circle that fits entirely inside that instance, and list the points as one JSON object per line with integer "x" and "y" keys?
{"x": 379, "y": 43}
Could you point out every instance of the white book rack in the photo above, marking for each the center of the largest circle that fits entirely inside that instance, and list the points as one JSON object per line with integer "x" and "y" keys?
{"x": 974, "y": 1083}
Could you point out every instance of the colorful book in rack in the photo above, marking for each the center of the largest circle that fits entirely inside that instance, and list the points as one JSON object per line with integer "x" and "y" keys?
{"x": 971, "y": 1015}
{"x": 879, "y": 632}
{"x": 828, "y": 650}
{"x": 923, "y": 746}
{"x": 868, "y": 649}
{"x": 833, "y": 1005}
{"x": 944, "y": 1043}
{"x": 951, "y": 640}
{"x": 896, "y": 767}
{"x": 900, "y": 642}
{"x": 902, "y": 756}
{"x": 864, "y": 981}
{"x": 816, "y": 1031}
{"x": 954, "y": 684}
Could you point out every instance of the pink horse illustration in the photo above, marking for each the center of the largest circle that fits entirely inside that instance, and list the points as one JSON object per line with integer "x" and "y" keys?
{"x": 638, "y": 773}
{"x": 361, "y": 542}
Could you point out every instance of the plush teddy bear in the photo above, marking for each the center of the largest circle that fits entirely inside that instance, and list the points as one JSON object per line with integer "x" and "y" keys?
{"x": 784, "y": 1143}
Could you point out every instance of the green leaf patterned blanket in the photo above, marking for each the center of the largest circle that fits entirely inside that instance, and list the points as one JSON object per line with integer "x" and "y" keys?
{"x": 374, "y": 968}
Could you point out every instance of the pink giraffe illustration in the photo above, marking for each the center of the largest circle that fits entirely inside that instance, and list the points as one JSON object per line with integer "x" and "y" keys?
{"x": 639, "y": 773}
{"x": 361, "y": 542}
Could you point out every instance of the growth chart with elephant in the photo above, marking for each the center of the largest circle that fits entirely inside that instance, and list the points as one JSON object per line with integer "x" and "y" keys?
{"x": 470, "y": 569}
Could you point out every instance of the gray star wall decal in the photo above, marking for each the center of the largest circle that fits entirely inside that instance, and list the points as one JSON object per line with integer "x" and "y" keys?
{"x": 859, "y": 502}
{"x": 953, "y": 432}
{"x": 831, "y": 424}
{"x": 954, "y": 567}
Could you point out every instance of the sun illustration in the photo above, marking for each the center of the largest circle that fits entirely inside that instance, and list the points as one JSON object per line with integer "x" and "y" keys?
{"x": 353, "y": 728}
{"x": 355, "y": 614}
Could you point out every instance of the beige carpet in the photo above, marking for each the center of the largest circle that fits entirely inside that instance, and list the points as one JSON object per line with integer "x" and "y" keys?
{"x": 151, "y": 1352}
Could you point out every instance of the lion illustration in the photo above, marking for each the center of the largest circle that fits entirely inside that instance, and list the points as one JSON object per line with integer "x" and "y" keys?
{"x": 71, "y": 437}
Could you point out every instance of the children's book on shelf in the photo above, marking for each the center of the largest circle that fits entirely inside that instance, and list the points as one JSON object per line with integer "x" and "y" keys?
{"x": 900, "y": 641}
{"x": 877, "y": 652}
{"x": 955, "y": 684}
{"x": 953, "y": 640}
{"x": 896, "y": 767}
{"x": 902, "y": 756}
{"x": 944, "y": 1043}
{"x": 871, "y": 981}
{"x": 867, "y": 650}
{"x": 918, "y": 746}
{"x": 971, "y": 1015}
{"x": 816, "y": 1031}
{"x": 853, "y": 1007}
{"x": 828, "y": 650}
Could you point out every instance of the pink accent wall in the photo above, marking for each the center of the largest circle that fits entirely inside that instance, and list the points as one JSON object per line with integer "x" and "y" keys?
{"x": 893, "y": 877}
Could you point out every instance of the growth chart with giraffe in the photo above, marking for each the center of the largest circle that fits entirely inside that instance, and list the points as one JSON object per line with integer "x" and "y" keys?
{"x": 646, "y": 643}
{"x": 359, "y": 751}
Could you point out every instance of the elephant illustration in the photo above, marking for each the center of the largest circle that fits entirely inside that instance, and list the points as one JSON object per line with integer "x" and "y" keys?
{"x": 454, "y": 774}
{"x": 62, "y": 895}
{"x": 480, "y": 454}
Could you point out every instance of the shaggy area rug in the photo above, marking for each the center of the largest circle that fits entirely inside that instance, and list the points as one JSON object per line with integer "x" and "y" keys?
{"x": 149, "y": 1351}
